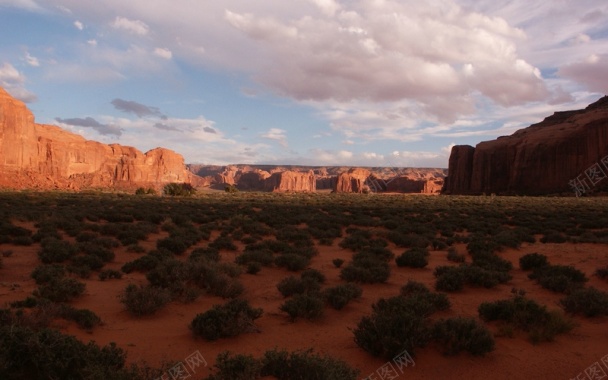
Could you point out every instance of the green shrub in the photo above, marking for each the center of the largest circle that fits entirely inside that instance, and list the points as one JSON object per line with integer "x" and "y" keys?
{"x": 313, "y": 275}
{"x": 449, "y": 279}
{"x": 254, "y": 267}
{"x": 602, "y": 273}
{"x": 23, "y": 240}
{"x": 454, "y": 256}
{"x": 83, "y": 317}
{"x": 305, "y": 365}
{"x": 413, "y": 287}
{"x": 56, "y": 251}
{"x": 210, "y": 254}
{"x": 109, "y": 274}
{"x": 559, "y": 278}
{"x": 463, "y": 334}
{"x": 223, "y": 242}
{"x": 236, "y": 367}
{"x": 172, "y": 244}
{"x": 533, "y": 261}
{"x": 413, "y": 258}
{"x": 231, "y": 189}
{"x": 261, "y": 256}
{"x": 60, "y": 289}
{"x": 292, "y": 285}
{"x": 340, "y": 295}
{"x": 587, "y": 301}
{"x": 366, "y": 269}
{"x": 337, "y": 262}
{"x": 144, "y": 300}
{"x": 223, "y": 321}
{"x": 303, "y": 306}
{"x": 553, "y": 237}
{"x": 179, "y": 189}
{"x": 45, "y": 273}
{"x": 292, "y": 261}
{"x": 527, "y": 315}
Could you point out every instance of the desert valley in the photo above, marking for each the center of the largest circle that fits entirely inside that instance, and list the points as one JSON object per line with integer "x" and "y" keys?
{"x": 128, "y": 265}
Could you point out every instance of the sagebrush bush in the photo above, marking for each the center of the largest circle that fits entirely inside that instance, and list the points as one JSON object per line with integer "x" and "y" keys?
{"x": 337, "y": 262}
{"x": 60, "y": 289}
{"x": 587, "y": 301}
{"x": 209, "y": 254}
{"x": 47, "y": 272}
{"x": 308, "y": 306}
{"x": 292, "y": 261}
{"x": 56, "y": 251}
{"x": 83, "y": 317}
{"x": 340, "y": 295}
{"x": 559, "y": 278}
{"x": 413, "y": 258}
{"x": 223, "y": 321}
{"x": 533, "y": 261}
{"x": 292, "y": 285}
{"x": 314, "y": 275}
{"x": 602, "y": 273}
{"x": 305, "y": 365}
{"x": 144, "y": 300}
{"x": 229, "y": 366}
{"x": 449, "y": 279}
{"x": 254, "y": 267}
{"x": 109, "y": 274}
{"x": 454, "y": 256}
{"x": 463, "y": 334}
{"x": 413, "y": 287}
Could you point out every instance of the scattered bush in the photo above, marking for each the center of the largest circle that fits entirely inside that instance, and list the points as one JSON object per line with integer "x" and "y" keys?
{"x": 292, "y": 261}
{"x": 223, "y": 321}
{"x": 413, "y": 258}
{"x": 254, "y": 267}
{"x": 303, "y": 306}
{"x": 235, "y": 367}
{"x": 449, "y": 279}
{"x": 463, "y": 334}
{"x": 587, "y": 301}
{"x": 60, "y": 290}
{"x": 340, "y": 295}
{"x": 559, "y": 278}
{"x": 109, "y": 274}
{"x": 144, "y": 300}
{"x": 313, "y": 275}
{"x": 454, "y": 256}
{"x": 85, "y": 318}
{"x": 56, "y": 251}
{"x": 602, "y": 273}
{"x": 337, "y": 262}
{"x": 45, "y": 273}
{"x": 261, "y": 256}
{"x": 413, "y": 287}
{"x": 209, "y": 254}
{"x": 305, "y": 365}
{"x": 533, "y": 261}
{"x": 179, "y": 189}
{"x": 292, "y": 285}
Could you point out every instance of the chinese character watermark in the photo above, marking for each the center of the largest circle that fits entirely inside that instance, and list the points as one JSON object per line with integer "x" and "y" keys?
{"x": 595, "y": 371}
{"x": 593, "y": 175}
{"x": 392, "y": 369}
{"x": 182, "y": 371}
{"x": 376, "y": 185}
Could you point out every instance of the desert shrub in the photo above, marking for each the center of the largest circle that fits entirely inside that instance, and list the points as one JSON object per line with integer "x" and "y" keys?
{"x": 231, "y": 189}
{"x": 455, "y": 257}
{"x": 340, "y": 295}
{"x": 305, "y": 365}
{"x": 217, "y": 278}
{"x": 413, "y": 258}
{"x": 85, "y": 236}
{"x": 49, "y": 354}
{"x": 144, "y": 300}
{"x": 337, "y": 262}
{"x": 7, "y": 253}
{"x": 45, "y": 273}
{"x": 533, "y": 261}
{"x": 223, "y": 321}
{"x": 262, "y": 256}
{"x": 222, "y": 285}
{"x": 179, "y": 189}
{"x": 170, "y": 274}
{"x": 449, "y": 279}
{"x": 210, "y": 254}
{"x": 306, "y": 305}
{"x": 56, "y": 251}
{"x": 235, "y": 366}
{"x": 292, "y": 261}
{"x": 553, "y": 237}
{"x": 90, "y": 262}
{"x": 587, "y": 301}
{"x": 254, "y": 267}
{"x": 478, "y": 276}
{"x": 172, "y": 244}
{"x": 366, "y": 268}
{"x": 602, "y": 273}
{"x": 413, "y": 287}
{"x": 491, "y": 262}
{"x": 144, "y": 263}
{"x": 60, "y": 289}
{"x": 28, "y": 302}
{"x": 559, "y": 278}
{"x": 479, "y": 244}
{"x": 527, "y": 315}
{"x": 109, "y": 274}
{"x": 463, "y": 334}
{"x": 83, "y": 317}
{"x": 314, "y": 275}
{"x": 292, "y": 285}
{"x": 23, "y": 240}
{"x": 96, "y": 249}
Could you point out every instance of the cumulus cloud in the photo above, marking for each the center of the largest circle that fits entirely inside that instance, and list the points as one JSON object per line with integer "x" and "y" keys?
{"x": 141, "y": 110}
{"x": 89, "y": 122}
{"x": 166, "y": 127}
{"x": 14, "y": 83}
{"x": 276, "y": 134}
{"x": 209, "y": 130}
{"x": 591, "y": 73}
{"x": 79, "y": 25}
{"x": 163, "y": 53}
{"x": 134, "y": 26}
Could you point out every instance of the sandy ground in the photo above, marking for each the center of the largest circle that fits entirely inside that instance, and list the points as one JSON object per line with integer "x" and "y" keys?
{"x": 165, "y": 335}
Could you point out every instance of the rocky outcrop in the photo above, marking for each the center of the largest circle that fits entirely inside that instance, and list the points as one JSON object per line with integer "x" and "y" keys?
{"x": 353, "y": 181}
{"x": 291, "y": 181}
{"x": 540, "y": 159}
{"x": 46, "y": 156}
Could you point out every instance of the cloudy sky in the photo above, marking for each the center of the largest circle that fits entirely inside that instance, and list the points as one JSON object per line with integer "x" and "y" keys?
{"x": 312, "y": 82}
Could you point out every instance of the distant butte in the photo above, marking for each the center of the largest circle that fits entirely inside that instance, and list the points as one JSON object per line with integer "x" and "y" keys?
{"x": 38, "y": 156}
{"x": 542, "y": 159}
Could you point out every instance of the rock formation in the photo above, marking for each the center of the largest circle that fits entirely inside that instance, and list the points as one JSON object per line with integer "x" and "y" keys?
{"x": 352, "y": 181}
{"x": 291, "y": 181}
{"x": 540, "y": 159}
{"x": 46, "y": 156}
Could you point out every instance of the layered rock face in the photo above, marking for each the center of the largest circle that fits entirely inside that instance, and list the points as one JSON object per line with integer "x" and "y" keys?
{"x": 291, "y": 181}
{"x": 46, "y": 156}
{"x": 540, "y": 159}
{"x": 352, "y": 181}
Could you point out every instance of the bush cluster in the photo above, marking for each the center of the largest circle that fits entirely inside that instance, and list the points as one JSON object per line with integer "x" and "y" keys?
{"x": 587, "y": 301}
{"x": 559, "y": 278}
{"x": 223, "y": 321}
{"x": 340, "y": 295}
{"x": 144, "y": 300}
{"x": 413, "y": 258}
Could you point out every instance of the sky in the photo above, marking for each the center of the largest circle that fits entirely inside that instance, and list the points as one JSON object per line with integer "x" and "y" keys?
{"x": 302, "y": 82}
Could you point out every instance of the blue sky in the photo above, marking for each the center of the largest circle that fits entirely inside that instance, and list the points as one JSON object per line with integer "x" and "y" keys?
{"x": 311, "y": 82}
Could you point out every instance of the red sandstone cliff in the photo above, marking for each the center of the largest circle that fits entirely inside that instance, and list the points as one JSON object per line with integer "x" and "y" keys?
{"x": 291, "y": 181}
{"x": 540, "y": 159}
{"x": 46, "y": 156}
{"x": 352, "y": 181}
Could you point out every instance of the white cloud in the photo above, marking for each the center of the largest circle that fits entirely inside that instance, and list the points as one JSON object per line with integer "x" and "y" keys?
{"x": 29, "y": 5}
{"x": 329, "y": 7}
{"x": 276, "y": 134}
{"x": 591, "y": 72}
{"x": 163, "y": 53}
{"x": 13, "y": 82}
{"x": 31, "y": 60}
{"x": 134, "y": 26}
{"x": 79, "y": 25}
{"x": 92, "y": 42}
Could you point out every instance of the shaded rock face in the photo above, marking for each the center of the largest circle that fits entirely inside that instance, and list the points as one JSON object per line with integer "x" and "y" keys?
{"x": 46, "y": 156}
{"x": 540, "y": 159}
{"x": 291, "y": 181}
{"x": 352, "y": 181}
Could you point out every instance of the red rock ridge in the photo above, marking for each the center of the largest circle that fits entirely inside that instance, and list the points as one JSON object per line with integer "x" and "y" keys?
{"x": 46, "y": 156}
